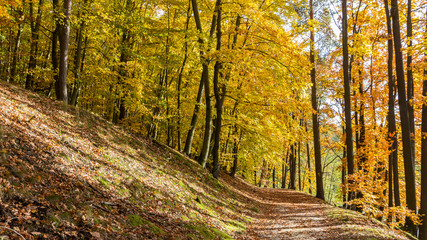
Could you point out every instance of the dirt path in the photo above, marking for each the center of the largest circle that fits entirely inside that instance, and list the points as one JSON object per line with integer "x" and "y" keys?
{"x": 288, "y": 214}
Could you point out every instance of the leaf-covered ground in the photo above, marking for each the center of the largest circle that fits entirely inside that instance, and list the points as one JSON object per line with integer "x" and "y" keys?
{"x": 68, "y": 174}
{"x": 289, "y": 214}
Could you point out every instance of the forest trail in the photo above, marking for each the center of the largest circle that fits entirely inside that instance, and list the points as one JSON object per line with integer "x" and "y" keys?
{"x": 289, "y": 214}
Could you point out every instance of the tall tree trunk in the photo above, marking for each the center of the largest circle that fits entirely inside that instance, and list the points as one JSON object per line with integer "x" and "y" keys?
{"x": 235, "y": 154}
{"x": 181, "y": 71}
{"x": 204, "y": 154}
{"x": 255, "y": 178}
{"x": 316, "y": 132}
{"x": 274, "y": 177}
{"x": 204, "y": 78}
{"x": 392, "y": 132}
{"x": 35, "y": 27}
{"x": 309, "y": 168}
{"x": 55, "y": 35}
{"x": 299, "y": 166}
{"x": 362, "y": 127}
{"x": 410, "y": 79}
{"x": 64, "y": 40}
{"x": 423, "y": 210}
{"x": 219, "y": 96}
{"x": 9, "y": 55}
{"x": 169, "y": 137}
{"x": 292, "y": 168}
{"x": 347, "y": 99}
{"x": 208, "y": 120}
{"x": 408, "y": 157}
{"x": 191, "y": 131}
{"x": 263, "y": 170}
{"x": 18, "y": 37}
{"x": 285, "y": 169}
{"x": 344, "y": 174}
{"x": 308, "y": 162}
{"x": 75, "y": 93}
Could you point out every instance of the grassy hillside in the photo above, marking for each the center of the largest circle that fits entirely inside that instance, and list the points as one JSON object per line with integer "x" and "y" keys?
{"x": 68, "y": 173}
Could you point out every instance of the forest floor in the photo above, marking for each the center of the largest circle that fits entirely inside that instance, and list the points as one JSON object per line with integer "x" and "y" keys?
{"x": 66, "y": 173}
{"x": 290, "y": 214}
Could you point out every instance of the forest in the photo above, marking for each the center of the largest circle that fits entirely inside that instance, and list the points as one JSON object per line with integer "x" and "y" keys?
{"x": 325, "y": 97}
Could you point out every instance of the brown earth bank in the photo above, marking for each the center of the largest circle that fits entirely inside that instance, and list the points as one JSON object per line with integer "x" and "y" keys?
{"x": 66, "y": 173}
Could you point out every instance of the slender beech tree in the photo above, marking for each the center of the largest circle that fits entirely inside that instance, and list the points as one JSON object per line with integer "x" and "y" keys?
{"x": 55, "y": 35}
{"x": 308, "y": 161}
{"x": 292, "y": 167}
{"x": 203, "y": 79}
{"x": 315, "y": 116}
{"x": 347, "y": 99}
{"x": 274, "y": 177}
{"x": 181, "y": 72}
{"x": 423, "y": 210}
{"x": 285, "y": 169}
{"x": 235, "y": 156}
{"x": 64, "y": 40}
{"x": 78, "y": 58}
{"x": 410, "y": 78}
{"x": 408, "y": 157}
{"x": 344, "y": 173}
{"x": 219, "y": 96}
{"x": 393, "y": 173}
{"x": 191, "y": 131}
{"x": 299, "y": 166}
{"x": 20, "y": 19}
{"x": 35, "y": 22}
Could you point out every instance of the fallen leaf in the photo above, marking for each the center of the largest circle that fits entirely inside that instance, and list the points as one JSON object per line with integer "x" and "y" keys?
{"x": 96, "y": 235}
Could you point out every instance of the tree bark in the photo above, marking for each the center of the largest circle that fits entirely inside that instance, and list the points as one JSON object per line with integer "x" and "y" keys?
{"x": 235, "y": 154}
{"x": 392, "y": 132}
{"x": 316, "y": 132}
{"x": 34, "y": 45}
{"x": 55, "y": 34}
{"x": 208, "y": 120}
{"x": 190, "y": 134}
{"x": 285, "y": 170}
{"x": 292, "y": 168}
{"x": 205, "y": 74}
{"x": 408, "y": 157}
{"x": 219, "y": 96}
{"x": 344, "y": 174}
{"x": 274, "y": 177}
{"x": 17, "y": 44}
{"x": 181, "y": 71}
{"x": 347, "y": 97}
{"x": 299, "y": 166}
{"x": 423, "y": 210}
{"x": 309, "y": 168}
{"x": 255, "y": 178}
{"x": 64, "y": 40}
{"x": 75, "y": 93}
{"x": 410, "y": 79}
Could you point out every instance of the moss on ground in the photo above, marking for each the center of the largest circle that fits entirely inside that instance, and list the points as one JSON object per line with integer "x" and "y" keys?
{"x": 138, "y": 221}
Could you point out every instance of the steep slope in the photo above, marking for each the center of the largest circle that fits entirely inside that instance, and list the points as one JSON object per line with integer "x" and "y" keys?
{"x": 68, "y": 174}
